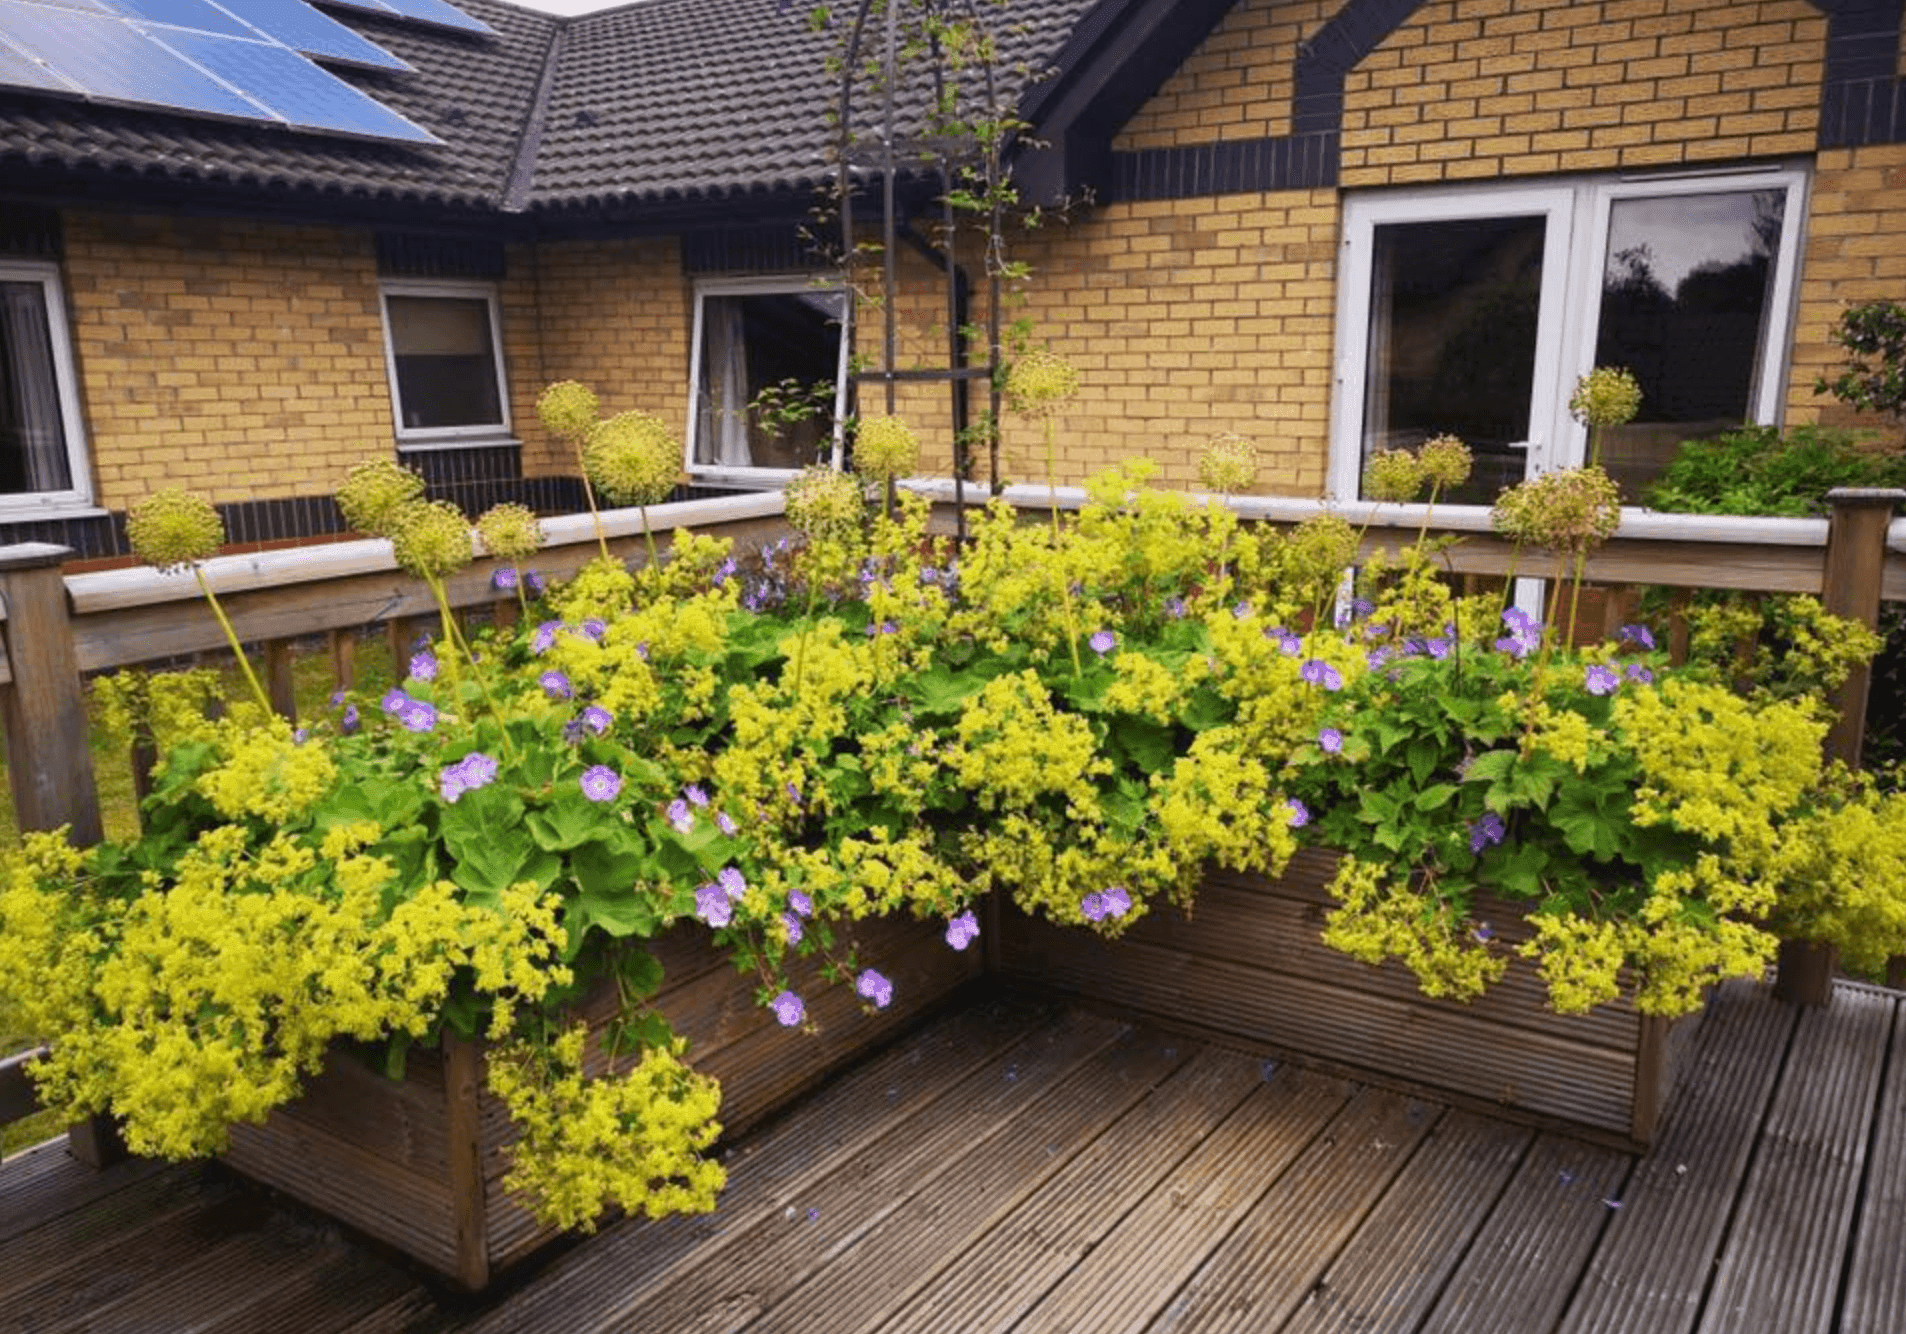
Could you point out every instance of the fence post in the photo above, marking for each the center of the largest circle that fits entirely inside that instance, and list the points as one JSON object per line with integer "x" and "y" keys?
{"x": 1850, "y": 587}
{"x": 49, "y": 744}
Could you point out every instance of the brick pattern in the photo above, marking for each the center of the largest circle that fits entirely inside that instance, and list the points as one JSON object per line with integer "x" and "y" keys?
{"x": 239, "y": 358}
{"x": 1515, "y": 87}
{"x": 1237, "y": 85}
{"x": 1855, "y": 251}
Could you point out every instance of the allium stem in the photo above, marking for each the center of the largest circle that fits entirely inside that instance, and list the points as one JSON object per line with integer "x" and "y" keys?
{"x": 1065, "y": 587}
{"x": 648, "y": 536}
{"x": 231, "y": 637}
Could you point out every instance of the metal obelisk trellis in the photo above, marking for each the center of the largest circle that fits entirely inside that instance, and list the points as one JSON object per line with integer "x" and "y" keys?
{"x": 891, "y": 153}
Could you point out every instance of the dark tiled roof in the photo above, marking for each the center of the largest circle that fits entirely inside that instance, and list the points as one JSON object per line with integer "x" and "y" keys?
{"x": 662, "y": 101}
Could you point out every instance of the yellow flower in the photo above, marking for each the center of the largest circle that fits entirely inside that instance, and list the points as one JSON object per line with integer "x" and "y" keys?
{"x": 1229, "y": 464}
{"x": 1394, "y": 475}
{"x": 1446, "y": 461}
{"x": 633, "y": 458}
{"x": 375, "y": 493}
{"x": 1039, "y": 383}
{"x": 885, "y": 448}
{"x": 568, "y": 408}
{"x": 510, "y": 532}
{"x": 431, "y": 539}
{"x": 174, "y": 528}
{"x": 1606, "y": 396}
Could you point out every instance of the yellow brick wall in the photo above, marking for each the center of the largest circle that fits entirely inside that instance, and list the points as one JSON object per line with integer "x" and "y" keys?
{"x": 1855, "y": 251}
{"x": 1236, "y": 85}
{"x": 241, "y": 359}
{"x": 1512, "y": 87}
{"x": 616, "y": 315}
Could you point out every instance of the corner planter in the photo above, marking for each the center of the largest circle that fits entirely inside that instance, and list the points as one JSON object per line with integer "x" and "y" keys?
{"x": 418, "y": 1163}
{"x": 1248, "y": 964}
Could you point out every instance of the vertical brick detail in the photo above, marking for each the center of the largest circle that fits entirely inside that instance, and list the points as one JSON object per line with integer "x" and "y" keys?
{"x": 1855, "y": 251}
{"x": 1237, "y": 85}
{"x": 1517, "y": 87}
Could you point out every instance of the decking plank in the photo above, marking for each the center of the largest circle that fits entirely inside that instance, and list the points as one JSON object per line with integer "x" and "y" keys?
{"x": 1800, "y": 1193}
{"x": 148, "y": 1204}
{"x": 774, "y": 1253}
{"x": 1652, "y": 1264}
{"x": 1136, "y": 1269}
{"x": 338, "y": 1288}
{"x": 1875, "y": 1301}
{"x": 992, "y": 1283}
{"x": 1525, "y": 1262}
{"x": 1390, "y": 1272}
{"x": 957, "y": 1199}
{"x": 41, "y": 1182}
{"x": 768, "y": 1171}
{"x": 1264, "y": 1269}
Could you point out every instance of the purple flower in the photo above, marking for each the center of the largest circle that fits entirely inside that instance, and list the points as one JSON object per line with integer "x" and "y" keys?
{"x": 725, "y": 571}
{"x": 713, "y": 905}
{"x": 1482, "y": 933}
{"x": 962, "y": 930}
{"x": 1330, "y": 741}
{"x": 1242, "y": 610}
{"x": 545, "y": 636}
{"x": 1299, "y": 813}
{"x": 1289, "y": 644}
{"x": 350, "y": 722}
{"x": 1320, "y": 673}
{"x": 1600, "y": 680}
{"x": 1637, "y": 673}
{"x": 1637, "y": 634}
{"x": 1486, "y": 832}
{"x": 555, "y": 684}
{"x": 1103, "y": 642}
{"x": 423, "y": 666}
{"x": 732, "y": 882}
{"x": 680, "y": 816}
{"x": 874, "y": 986}
{"x": 1175, "y": 607}
{"x": 1436, "y": 648}
{"x": 794, "y": 794}
{"x": 1376, "y": 657}
{"x": 788, "y": 1009}
{"x": 593, "y": 627}
{"x": 394, "y": 701}
{"x": 724, "y": 823}
{"x": 601, "y": 783}
{"x": 1107, "y": 903}
{"x": 504, "y": 578}
{"x": 473, "y": 771}
{"x": 597, "y": 719}
{"x": 695, "y": 795}
{"x": 1525, "y": 634}
{"x": 800, "y": 902}
{"x": 417, "y": 716}
{"x": 302, "y": 735}
{"x": 534, "y": 583}
{"x": 792, "y": 925}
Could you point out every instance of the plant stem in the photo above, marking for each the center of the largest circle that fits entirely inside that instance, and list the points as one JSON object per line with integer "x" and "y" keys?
{"x": 231, "y": 637}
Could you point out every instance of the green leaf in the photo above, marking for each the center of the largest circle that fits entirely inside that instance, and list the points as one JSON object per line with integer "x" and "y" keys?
{"x": 1436, "y": 794}
{"x": 1518, "y": 870}
{"x": 1151, "y": 746}
{"x": 568, "y": 821}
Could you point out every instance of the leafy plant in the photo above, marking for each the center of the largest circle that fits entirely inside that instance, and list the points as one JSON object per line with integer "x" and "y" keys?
{"x": 1874, "y": 333}
{"x": 1762, "y": 470}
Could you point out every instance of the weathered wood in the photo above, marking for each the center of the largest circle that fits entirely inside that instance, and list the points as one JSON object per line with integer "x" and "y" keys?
{"x": 1875, "y": 1300}
{"x": 343, "y": 646}
{"x": 463, "y": 1083}
{"x": 49, "y": 756}
{"x": 1851, "y": 586}
{"x": 17, "y": 1098}
{"x": 1804, "y": 972}
{"x": 281, "y": 687}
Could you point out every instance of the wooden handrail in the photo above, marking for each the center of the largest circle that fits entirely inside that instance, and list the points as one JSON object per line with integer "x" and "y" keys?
{"x": 17, "y": 1098}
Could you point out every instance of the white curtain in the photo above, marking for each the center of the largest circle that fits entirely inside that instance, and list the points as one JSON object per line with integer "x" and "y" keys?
{"x": 30, "y": 402}
{"x": 722, "y": 431}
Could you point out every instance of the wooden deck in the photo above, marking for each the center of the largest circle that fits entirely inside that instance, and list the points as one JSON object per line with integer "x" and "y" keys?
{"x": 1018, "y": 1166}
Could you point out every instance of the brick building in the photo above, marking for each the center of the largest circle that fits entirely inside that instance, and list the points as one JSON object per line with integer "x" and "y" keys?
{"x": 1330, "y": 225}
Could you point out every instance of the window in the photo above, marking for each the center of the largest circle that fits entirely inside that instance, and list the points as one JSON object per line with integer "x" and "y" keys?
{"x": 42, "y": 446}
{"x": 784, "y": 336}
{"x": 446, "y": 369}
{"x": 1475, "y": 311}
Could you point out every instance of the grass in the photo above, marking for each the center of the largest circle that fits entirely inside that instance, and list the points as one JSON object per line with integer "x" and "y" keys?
{"x": 119, "y": 811}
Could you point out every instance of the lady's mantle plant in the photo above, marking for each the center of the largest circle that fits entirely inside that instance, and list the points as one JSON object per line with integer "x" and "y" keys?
{"x": 772, "y": 747}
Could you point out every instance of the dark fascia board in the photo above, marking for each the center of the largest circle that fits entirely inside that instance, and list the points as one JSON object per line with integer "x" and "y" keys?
{"x": 1118, "y": 57}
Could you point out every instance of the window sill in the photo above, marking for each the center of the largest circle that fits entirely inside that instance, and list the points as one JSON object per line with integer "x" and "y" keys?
{"x": 16, "y": 510}
{"x": 461, "y": 442}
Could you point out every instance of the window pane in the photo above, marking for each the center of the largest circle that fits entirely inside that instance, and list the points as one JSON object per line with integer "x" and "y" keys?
{"x": 446, "y": 362}
{"x": 787, "y": 341}
{"x": 1452, "y": 341}
{"x": 1685, "y": 300}
{"x": 32, "y": 432}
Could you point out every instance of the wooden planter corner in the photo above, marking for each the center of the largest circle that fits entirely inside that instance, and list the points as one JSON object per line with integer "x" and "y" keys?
{"x": 418, "y": 1163}
{"x": 1249, "y": 965}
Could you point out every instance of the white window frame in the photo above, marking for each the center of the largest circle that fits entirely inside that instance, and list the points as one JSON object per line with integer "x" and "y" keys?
{"x": 1578, "y": 212}
{"x": 78, "y": 498}
{"x": 421, "y": 439}
{"x": 785, "y": 284}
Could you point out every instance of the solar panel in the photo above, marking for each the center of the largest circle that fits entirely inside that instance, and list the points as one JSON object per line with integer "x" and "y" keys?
{"x": 303, "y": 28}
{"x": 199, "y": 14}
{"x": 291, "y": 86}
{"x": 108, "y": 60}
{"x": 424, "y": 11}
{"x": 20, "y": 70}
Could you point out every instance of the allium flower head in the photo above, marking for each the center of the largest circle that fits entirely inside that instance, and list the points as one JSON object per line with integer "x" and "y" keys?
{"x": 962, "y": 930}
{"x": 825, "y": 504}
{"x": 633, "y": 458}
{"x": 1229, "y": 463}
{"x": 375, "y": 492}
{"x": 1571, "y": 510}
{"x": 431, "y": 539}
{"x": 885, "y": 448}
{"x": 510, "y": 532}
{"x": 1606, "y": 396}
{"x": 874, "y": 986}
{"x": 1445, "y": 460}
{"x": 568, "y": 408}
{"x": 174, "y": 528}
{"x": 1039, "y": 383}
{"x": 1394, "y": 475}
{"x": 788, "y": 1010}
{"x": 601, "y": 783}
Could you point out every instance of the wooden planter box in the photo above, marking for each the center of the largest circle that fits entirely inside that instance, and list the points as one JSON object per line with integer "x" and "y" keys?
{"x": 1248, "y": 964}
{"x": 418, "y": 1163}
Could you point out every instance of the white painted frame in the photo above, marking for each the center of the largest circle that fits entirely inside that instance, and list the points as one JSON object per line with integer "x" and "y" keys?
{"x": 1578, "y": 211}
{"x": 417, "y": 439}
{"x": 78, "y": 498}
{"x": 785, "y": 284}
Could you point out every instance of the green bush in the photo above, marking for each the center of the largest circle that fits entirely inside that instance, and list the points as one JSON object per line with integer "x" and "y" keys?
{"x": 1758, "y": 470}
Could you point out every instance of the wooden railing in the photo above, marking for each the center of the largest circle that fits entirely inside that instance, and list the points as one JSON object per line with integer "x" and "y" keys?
{"x": 60, "y": 627}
